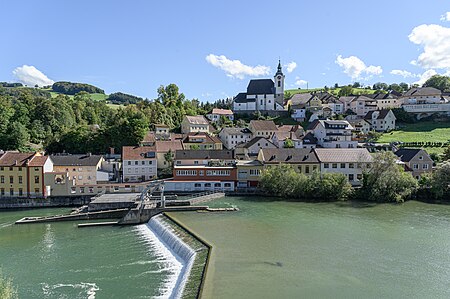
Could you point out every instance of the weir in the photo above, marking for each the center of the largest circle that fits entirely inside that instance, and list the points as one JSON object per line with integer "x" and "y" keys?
{"x": 180, "y": 250}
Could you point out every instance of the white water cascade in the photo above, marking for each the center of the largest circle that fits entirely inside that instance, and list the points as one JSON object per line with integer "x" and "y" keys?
{"x": 180, "y": 251}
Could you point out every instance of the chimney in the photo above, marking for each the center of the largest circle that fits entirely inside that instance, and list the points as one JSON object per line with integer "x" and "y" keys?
{"x": 15, "y": 162}
{"x": 89, "y": 154}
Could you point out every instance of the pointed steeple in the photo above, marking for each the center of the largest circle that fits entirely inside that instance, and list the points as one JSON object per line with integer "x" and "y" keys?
{"x": 279, "y": 71}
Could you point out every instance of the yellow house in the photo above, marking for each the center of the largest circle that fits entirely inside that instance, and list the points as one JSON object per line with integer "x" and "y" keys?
{"x": 202, "y": 141}
{"x": 248, "y": 173}
{"x": 304, "y": 160}
{"x": 22, "y": 175}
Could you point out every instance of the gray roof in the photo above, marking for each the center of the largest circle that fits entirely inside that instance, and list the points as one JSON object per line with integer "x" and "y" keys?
{"x": 263, "y": 125}
{"x": 236, "y": 131}
{"x": 260, "y": 86}
{"x": 197, "y": 120}
{"x": 343, "y": 155}
{"x": 288, "y": 155}
{"x": 75, "y": 160}
{"x": 381, "y": 114}
{"x": 424, "y": 91}
{"x": 254, "y": 141}
{"x": 203, "y": 154}
{"x": 407, "y": 154}
{"x": 241, "y": 98}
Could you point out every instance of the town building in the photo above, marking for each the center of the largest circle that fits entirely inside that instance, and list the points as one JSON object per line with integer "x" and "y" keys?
{"x": 417, "y": 161}
{"x": 262, "y": 95}
{"x": 281, "y": 138}
{"x": 248, "y": 173}
{"x": 163, "y": 147}
{"x": 231, "y": 137}
{"x": 385, "y": 100}
{"x": 22, "y": 175}
{"x": 333, "y": 133}
{"x": 83, "y": 169}
{"x": 303, "y": 160}
{"x": 263, "y": 128}
{"x": 349, "y": 161}
{"x": 360, "y": 125}
{"x": 425, "y": 101}
{"x": 199, "y": 170}
{"x": 217, "y": 113}
{"x": 201, "y": 140}
{"x": 252, "y": 147}
{"x": 139, "y": 163}
{"x": 194, "y": 124}
{"x": 381, "y": 120}
{"x": 162, "y": 129}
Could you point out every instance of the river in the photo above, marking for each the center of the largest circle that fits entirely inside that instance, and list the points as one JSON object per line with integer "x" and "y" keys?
{"x": 59, "y": 260}
{"x": 275, "y": 249}
{"x": 268, "y": 249}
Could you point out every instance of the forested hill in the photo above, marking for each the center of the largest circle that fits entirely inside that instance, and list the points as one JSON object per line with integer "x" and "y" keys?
{"x": 32, "y": 119}
{"x": 123, "y": 98}
{"x": 70, "y": 88}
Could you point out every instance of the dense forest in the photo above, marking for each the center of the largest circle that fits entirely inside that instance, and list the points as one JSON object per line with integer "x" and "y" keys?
{"x": 123, "y": 98}
{"x": 71, "y": 88}
{"x": 79, "y": 124}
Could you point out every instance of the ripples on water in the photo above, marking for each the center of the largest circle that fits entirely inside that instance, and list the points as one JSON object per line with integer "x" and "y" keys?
{"x": 84, "y": 290}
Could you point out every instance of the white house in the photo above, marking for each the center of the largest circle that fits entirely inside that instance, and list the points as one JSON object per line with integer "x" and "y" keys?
{"x": 139, "y": 163}
{"x": 360, "y": 125}
{"x": 252, "y": 147}
{"x": 381, "y": 120}
{"x": 193, "y": 124}
{"x": 333, "y": 133}
{"x": 231, "y": 137}
{"x": 262, "y": 95}
{"x": 263, "y": 128}
{"x": 216, "y": 113}
{"x": 349, "y": 161}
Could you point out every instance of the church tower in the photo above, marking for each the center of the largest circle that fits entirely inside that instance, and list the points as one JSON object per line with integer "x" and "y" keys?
{"x": 279, "y": 85}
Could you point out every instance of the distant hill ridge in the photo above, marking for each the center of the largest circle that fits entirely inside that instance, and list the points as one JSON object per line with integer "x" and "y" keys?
{"x": 71, "y": 88}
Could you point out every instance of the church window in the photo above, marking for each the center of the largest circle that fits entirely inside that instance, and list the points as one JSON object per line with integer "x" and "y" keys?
{"x": 279, "y": 83}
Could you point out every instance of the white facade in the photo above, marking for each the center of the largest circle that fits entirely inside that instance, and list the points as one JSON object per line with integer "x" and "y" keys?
{"x": 298, "y": 113}
{"x": 231, "y": 137}
{"x": 334, "y": 134}
{"x": 198, "y": 186}
{"x": 139, "y": 170}
{"x": 194, "y": 124}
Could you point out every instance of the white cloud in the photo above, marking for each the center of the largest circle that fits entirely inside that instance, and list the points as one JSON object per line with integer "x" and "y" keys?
{"x": 404, "y": 74}
{"x": 355, "y": 67}
{"x": 300, "y": 82}
{"x": 290, "y": 67}
{"x": 446, "y": 17}
{"x": 29, "y": 75}
{"x": 425, "y": 76}
{"x": 435, "y": 41}
{"x": 235, "y": 68}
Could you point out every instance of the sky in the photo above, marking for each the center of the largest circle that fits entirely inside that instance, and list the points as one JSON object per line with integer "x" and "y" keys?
{"x": 211, "y": 49}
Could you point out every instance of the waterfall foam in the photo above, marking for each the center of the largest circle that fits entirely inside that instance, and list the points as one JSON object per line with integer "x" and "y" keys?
{"x": 177, "y": 255}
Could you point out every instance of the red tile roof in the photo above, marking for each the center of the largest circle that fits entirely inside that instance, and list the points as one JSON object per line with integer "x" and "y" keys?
{"x": 165, "y": 146}
{"x": 222, "y": 111}
{"x": 38, "y": 161}
{"x": 137, "y": 152}
{"x": 15, "y": 159}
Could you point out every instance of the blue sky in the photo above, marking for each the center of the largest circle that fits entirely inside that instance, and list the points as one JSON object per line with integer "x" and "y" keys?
{"x": 210, "y": 49}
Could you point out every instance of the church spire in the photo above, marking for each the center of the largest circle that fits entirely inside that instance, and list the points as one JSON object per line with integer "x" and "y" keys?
{"x": 279, "y": 71}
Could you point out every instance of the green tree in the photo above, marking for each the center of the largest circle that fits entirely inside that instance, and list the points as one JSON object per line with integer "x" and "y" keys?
{"x": 380, "y": 86}
{"x": 288, "y": 143}
{"x": 18, "y": 137}
{"x": 168, "y": 157}
{"x": 440, "y": 82}
{"x": 446, "y": 154}
{"x": 440, "y": 181}
{"x": 404, "y": 86}
{"x": 387, "y": 181}
{"x": 356, "y": 85}
{"x": 345, "y": 91}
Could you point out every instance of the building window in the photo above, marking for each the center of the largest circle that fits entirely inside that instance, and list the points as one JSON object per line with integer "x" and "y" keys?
{"x": 186, "y": 172}
{"x": 20, "y": 192}
{"x": 195, "y": 162}
{"x": 11, "y": 180}
{"x": 143, "y": 162}
{"x": 351, "y": 177}
{"x": 351, "y": 165}
{"x": 10, "y": 169}
{"x": 342, "y": 165}
{"x": 217, "y": 185}
{"x": 2, "y": 179}
{"x": 197, "y": 185}
{"x": 416, "y": 166}
{"x": 217, "y": 172}
{"x": 80, "y": 177}
{"x": 227, "y": 185}
{"x": 81, "y": 189}
{"x": 207, "y": 185}
{"x": 2, "y": 191}
{"x": 425, "y": 166}
{"x": 20, "y": 168}
{"x": 255, "y": 172}
{"x": 36, "y": 179}
{"x": 91, "y": 190}
{"x": 136, "y": 162}
{"x": 11, "y": 191}
{"x": 201, "y": 172}
{"x": 20, "y": 179}
{"x": 1, "y": 168}
{"x": 326, "y": 165}
{"x": 421, "y": 158}
{"x": 307, "y": 169}
{"x": 359, "y": 176}
{"x": 334, "y": 165}
{"x": 129, "y": 162}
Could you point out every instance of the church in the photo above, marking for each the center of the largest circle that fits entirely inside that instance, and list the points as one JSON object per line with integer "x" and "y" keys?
{"x": 262, "y": 95}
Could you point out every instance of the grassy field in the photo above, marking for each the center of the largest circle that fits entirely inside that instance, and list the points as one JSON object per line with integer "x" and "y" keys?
{"x": 334, "y": 91}
{"x": 420, "y": 132}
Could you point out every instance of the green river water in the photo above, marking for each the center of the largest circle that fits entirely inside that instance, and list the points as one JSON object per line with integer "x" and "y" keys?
{"x": 59, "y": 260}
{"x": 277, "y": 249}
{"x": 268, "y": 249}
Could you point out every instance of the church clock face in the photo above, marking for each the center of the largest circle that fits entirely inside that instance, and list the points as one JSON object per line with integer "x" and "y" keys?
{"x": 279, "y": 77}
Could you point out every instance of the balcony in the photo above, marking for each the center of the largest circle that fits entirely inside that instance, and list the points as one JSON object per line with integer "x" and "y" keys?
{"x": 418, "y": 108}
